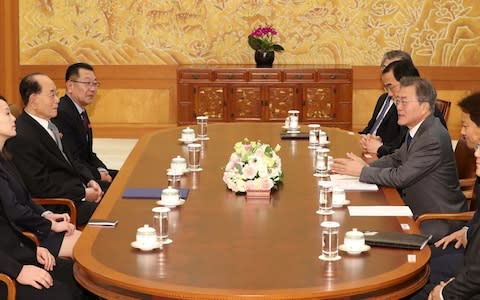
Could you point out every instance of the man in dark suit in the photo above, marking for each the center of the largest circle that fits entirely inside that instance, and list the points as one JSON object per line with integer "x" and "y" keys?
{"x": 73, "y": 122}
{"x": 383, "y": 135}
{"x": 47, "y": 170}
{"x": 423, "y": 169}
{"x": 465, "y": 266}
{"x": 36, "y": 273}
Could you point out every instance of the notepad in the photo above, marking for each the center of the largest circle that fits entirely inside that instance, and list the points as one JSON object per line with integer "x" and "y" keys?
{"x": 150, "y": 193}
{"x": 351, "y": 183}
{"x": 382, "y": 211}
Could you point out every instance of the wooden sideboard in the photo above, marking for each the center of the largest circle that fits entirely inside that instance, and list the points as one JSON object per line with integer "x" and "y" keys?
{"x": 231, "y": 93}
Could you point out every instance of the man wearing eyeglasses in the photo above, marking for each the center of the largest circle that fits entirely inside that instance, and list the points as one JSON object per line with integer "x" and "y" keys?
{"x": 46, "y": 168}
{"x": 73, "y": 122}
{"x": 383, "y": 135}
{"x": 423, "y": 169}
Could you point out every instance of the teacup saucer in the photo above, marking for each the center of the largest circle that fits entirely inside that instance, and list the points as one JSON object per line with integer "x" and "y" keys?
{"x": 140, "y": 246}
{"x": 291, "y": 129}
{"x": 187, "y": 141}
{"x": 345, "y": 202}
{"x": 324, "y": 143}
{"x": 171, "y": 204}
{"x": 364, "y": 248}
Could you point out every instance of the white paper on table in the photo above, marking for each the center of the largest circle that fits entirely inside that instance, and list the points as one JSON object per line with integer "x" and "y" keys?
{"x": 351, "y": 183}
{"x": 389, "y": 210}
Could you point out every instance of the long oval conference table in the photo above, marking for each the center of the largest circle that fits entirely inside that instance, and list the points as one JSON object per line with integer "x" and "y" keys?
{"x": 227, "y": 247}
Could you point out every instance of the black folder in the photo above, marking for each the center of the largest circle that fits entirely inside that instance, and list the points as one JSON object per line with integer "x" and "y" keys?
{"x": 397, "y": 240}
{"x": 294, "y": 135}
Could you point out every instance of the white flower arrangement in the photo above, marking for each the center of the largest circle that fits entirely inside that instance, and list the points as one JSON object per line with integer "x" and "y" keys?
{"x": 253, "y": 166}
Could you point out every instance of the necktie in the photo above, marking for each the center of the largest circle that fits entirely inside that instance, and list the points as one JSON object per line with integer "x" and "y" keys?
{"x": 409, "y": 140}
{"x": 85, "y": 120}
{"x": 380, "y": 116}
{"x": 56, "y": 135}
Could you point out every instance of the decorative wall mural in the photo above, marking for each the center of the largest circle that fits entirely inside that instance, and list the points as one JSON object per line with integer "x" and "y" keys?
{"x": 356, "y": 32}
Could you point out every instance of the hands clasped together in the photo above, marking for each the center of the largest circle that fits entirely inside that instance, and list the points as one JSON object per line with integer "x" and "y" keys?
{"x": 93, "y": 192}
{"x": 35, "y": 276}
{"x": 370, "y": 143}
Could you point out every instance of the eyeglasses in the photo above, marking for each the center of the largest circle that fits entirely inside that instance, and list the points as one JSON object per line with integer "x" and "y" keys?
{"x": 94, "y": 84}
{"x": 52, "y": 94}
{"x": 403, "y": 102}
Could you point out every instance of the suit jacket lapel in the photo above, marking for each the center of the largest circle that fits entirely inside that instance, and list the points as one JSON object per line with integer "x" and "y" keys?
{"x": 43, "y": 136}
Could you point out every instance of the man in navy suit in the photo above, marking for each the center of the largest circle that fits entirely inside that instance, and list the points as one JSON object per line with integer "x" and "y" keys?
{"x": 47, "y": 169}
{"x": 73, "y": 122}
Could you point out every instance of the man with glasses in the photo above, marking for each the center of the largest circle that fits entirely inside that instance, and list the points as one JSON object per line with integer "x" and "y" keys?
{"x": 383, "y": 135}
{"x": 47, "y": 169}
{"x": 423, "y": 169}
{"x": 73, "y": 122}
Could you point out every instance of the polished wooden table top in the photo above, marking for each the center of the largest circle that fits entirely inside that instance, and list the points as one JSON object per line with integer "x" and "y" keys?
{"x": 226, "y": 247}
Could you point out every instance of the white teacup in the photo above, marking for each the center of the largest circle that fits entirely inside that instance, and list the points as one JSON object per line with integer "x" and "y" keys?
{"x": 170, "y": 195}
{"x": 354, "y": 240}
{"x": 338, "y": 196}
{"x": 146, "y": 236}
{"x": 178, "y": 164}
{"x": 188, "y": 135}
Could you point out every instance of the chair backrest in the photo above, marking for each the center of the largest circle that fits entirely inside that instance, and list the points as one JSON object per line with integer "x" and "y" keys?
{"x": 466, "y": 167}
{"x": 444, "y": 107}
{"x": 465, "y": 160}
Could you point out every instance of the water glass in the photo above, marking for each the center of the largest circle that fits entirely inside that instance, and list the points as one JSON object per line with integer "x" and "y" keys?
{"x": 321, "y": 161}
{"x": 173, "y": 178}
{"x": 194, "y": 156}
{"x": 325, "y": 200}
{"x": 160, "y": 223}
{"x": 202, "y": 127}
{"x": 313, "y": 136}
{"x": 330, "y": 240}
{"x": 292, "y": 119}
{"x": 338, "y": 196}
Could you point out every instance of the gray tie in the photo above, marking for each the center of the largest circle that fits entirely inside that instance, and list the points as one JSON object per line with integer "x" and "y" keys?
{"x": 56, "y": 134}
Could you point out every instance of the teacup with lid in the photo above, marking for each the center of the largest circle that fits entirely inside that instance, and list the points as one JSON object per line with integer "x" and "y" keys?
{"x": 354, "y": 240}
{"x": 170, "y": 195}
{"x": 188, "y": 135}
{"x": 146, "y": 236}
{"x": 178, "y": 164}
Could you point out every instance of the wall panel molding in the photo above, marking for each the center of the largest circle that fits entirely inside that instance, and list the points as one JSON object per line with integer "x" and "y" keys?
{"x": 443, "y": 78}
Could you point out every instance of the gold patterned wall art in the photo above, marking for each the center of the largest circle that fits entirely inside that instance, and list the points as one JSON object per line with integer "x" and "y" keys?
{"x": 147, "y": 32}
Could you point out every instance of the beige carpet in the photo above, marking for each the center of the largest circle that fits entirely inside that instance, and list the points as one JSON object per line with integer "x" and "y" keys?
{"x": 113, "y": 152}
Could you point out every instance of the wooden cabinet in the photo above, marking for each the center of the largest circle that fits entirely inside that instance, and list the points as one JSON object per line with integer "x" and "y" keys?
{"x": 231, "y": 93}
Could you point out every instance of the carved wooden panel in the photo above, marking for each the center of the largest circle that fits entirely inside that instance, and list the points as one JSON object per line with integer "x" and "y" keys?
{"x": 247, "y": 103}
{"x": 280, "y": 101}
{"x": 319, "y": 103}
{"x": 209, "y": 101}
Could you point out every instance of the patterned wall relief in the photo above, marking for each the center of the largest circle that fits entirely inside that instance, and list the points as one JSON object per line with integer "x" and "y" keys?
{"x": 356, "y": 32}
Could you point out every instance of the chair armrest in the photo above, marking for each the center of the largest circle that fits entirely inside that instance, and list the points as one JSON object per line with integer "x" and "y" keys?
{"x": 467, "y": 182}
{"x": 10, "y": 283}
{"x": 60, "y": 201}
{"x": 463, "y": 216}
{"x": 32, "y": 236}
